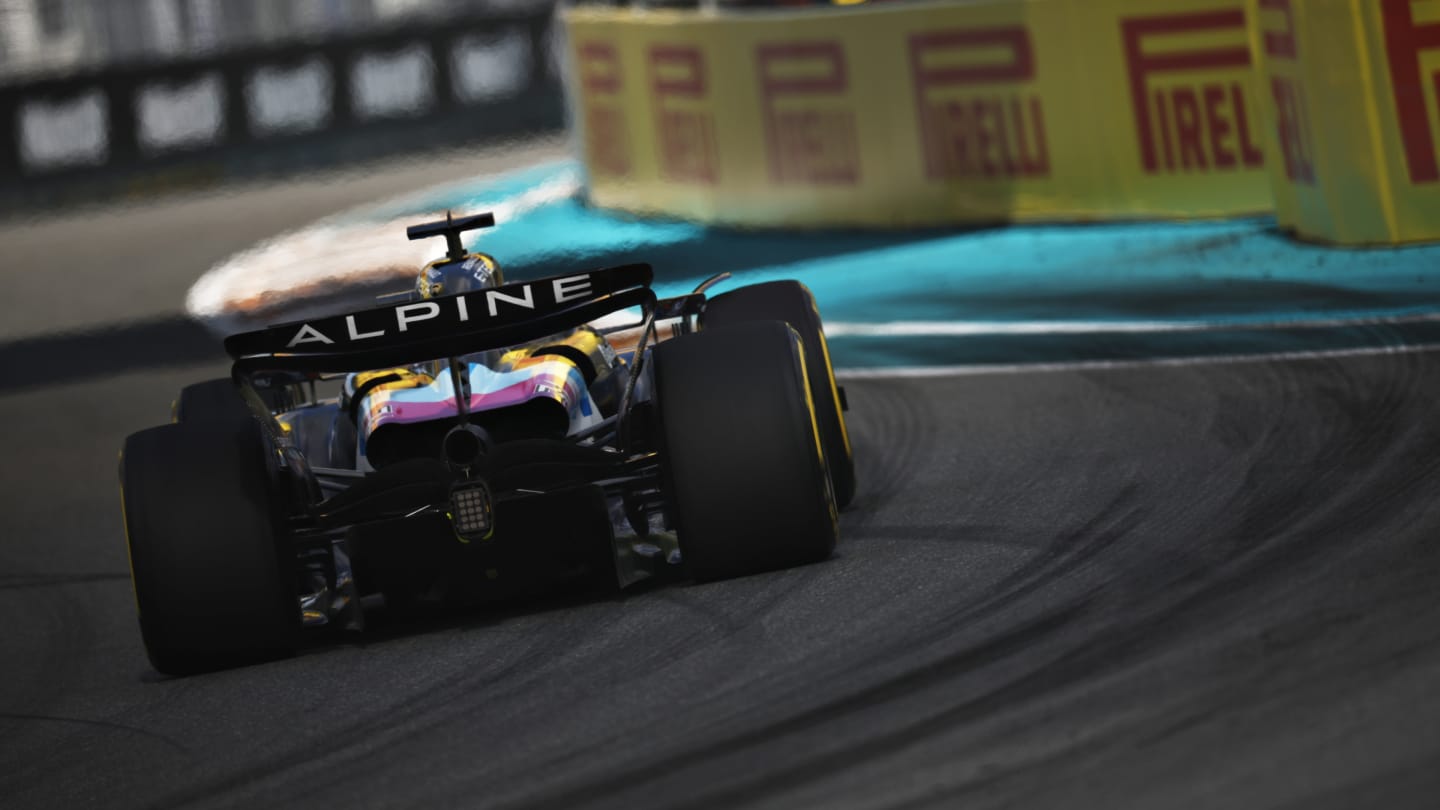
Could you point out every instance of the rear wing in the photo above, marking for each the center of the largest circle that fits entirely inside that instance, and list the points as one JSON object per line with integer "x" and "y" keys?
{"x": 445, "y": 326}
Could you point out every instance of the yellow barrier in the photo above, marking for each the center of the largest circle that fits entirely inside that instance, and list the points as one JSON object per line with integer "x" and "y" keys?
{"x": 1352, "y": 90}
{"x": 922, "y": 114}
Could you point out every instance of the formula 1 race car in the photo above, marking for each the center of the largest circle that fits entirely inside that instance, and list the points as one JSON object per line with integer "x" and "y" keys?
{"x": 476, "y": 439}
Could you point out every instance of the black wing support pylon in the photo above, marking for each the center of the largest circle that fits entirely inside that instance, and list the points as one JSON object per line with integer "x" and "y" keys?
{"x": 451, "y": 228}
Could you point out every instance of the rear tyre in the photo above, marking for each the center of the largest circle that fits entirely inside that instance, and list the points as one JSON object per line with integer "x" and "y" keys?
{"x": 219, "y": 400}
{"x": 745, "y": 473}
{"x": 212, "y": 585}
{"x": 212, "y": 401}
{"x": 791, "y": 302}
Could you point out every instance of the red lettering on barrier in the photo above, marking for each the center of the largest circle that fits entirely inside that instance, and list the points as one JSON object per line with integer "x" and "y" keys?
{"x": 1000, "y": 134}
{"x": 599, "y": 67}
{"x": 1222, "y": 111}
{"x": 1291, "y": 127}
{"x": 1404, "y": 42}
{"x": 1280, "y": 44}
{"x": 1165, "y": 138}
{"x": 1187, "y": 128}
{"x": 607, "y": 142}
{"x": 809, "y": 144}
{"x": 1195, "y": 128}
{"x": 687, "y": 136}
{"x": 1250, "y": 153}
{"x": 1218, "y": 126}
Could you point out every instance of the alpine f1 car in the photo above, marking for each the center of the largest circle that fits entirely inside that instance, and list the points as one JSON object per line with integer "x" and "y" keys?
{"x": 479, "y": 439}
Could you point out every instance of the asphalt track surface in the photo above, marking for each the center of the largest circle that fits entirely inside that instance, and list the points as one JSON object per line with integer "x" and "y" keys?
{"x": 1208, "y": 584}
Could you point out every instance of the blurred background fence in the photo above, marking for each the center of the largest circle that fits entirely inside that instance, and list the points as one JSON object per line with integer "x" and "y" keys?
{"x": 100, "y": 98}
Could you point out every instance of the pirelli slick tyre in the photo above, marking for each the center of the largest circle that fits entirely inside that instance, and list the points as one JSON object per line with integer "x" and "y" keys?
{"x": 745, "y": 474}
{"x": 219, "y": 400}
{"x": 212, "y": 401}
{"x": 791, "y": 302}
{"x": 212, "y": 585}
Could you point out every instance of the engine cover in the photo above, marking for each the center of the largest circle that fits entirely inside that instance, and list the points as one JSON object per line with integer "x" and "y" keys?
{"x": 518, "y": 396}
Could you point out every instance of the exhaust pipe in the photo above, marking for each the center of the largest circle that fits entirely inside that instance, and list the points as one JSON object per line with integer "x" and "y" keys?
{"x": 464, "y": 445}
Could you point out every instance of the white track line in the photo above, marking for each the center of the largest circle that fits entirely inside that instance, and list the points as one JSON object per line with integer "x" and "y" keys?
{"x": 983, "y": 328}
{"x": 978, "y": 369}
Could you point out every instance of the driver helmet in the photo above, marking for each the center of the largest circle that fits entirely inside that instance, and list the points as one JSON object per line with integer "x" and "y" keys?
{"x": 477, "y": 271}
